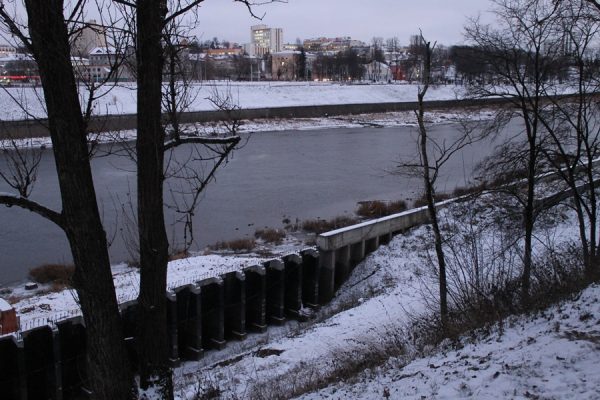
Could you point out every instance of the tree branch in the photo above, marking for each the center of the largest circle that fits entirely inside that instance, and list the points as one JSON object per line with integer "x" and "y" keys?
{"x": 201, "y": 140}
{"x": 10, "y": 200}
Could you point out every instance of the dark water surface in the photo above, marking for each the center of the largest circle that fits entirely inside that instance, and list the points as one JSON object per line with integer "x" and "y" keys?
{"x": 296, "y": 174}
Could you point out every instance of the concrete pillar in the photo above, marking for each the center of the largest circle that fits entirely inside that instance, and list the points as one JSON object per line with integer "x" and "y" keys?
{"x": 129, "y": 321}
{"x": 40, "y": 364}
{"x": 326, "y": 276}
{"x": 22, "y": 368}
{"x": 235, "y": 305}
{"x": 357, "y": 253}
{"x": 293, "y": 285}
{"x": 56, "y": 377}
{"x": 12, "y": 374}
{"x": 73, "y": 356}
{"x": 310, "y": 278}
{"x": 173, "y": 338}
{"x": 213, "y": 313}
{"x": 256, "y": 298}
{"x": 371, "y": 245}
{"x": 342, "y": 266}
{"x": 275, "y": 292}
{"x": 189, "y": 322}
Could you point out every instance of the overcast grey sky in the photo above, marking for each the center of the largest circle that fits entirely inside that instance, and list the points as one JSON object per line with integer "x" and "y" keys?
{"x": 440, "y": 20}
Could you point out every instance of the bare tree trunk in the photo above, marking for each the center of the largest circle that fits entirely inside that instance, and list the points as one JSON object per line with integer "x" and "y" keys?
{"x": 109, "y": 369}
{"x": 430, "y": 191}
{"x": 152, "y": 328}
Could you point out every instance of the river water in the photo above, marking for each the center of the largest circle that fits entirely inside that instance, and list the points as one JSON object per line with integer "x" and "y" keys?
{"x": 276, "y": 175}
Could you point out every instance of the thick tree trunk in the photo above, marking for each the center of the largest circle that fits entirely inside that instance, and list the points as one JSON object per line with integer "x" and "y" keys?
{"x": 109, "y": 369}
{"x": 152, "y": 325}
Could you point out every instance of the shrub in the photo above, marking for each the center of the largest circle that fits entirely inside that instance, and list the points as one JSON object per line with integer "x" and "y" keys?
{"x": 270, "y": 235}
{"x": 60, "y": 274}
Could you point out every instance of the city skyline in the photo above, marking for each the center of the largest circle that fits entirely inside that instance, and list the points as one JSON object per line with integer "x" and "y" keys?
{"x": 440, "y": 21}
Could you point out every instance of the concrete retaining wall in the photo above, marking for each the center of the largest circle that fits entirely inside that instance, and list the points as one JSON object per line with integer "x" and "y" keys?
{"x": 30, "y": 128}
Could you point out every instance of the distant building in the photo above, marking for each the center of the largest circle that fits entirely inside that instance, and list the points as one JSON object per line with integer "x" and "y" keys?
{"x": 332, "y": 45}
{"x": 105, "y": 65}
{"x": 291, "y": 47}
{"x": 90, "y": 36}
{"x": 265, "y": 40}
{"x": 6, "y": 49}
{"x": 225, "y": 52}
{"x": 285, "y": 65}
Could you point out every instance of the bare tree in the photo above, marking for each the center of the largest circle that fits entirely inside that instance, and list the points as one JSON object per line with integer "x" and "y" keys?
{"x": 46, "y": 36}
{"x": 433, "y": 155}
{"x": 572, "y": 123}
{"x": 520, "y": 52}
{"x": 152, "y": 20}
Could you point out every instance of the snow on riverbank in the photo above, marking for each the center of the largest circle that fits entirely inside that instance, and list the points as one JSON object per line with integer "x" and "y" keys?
{"x": 37, "y": 307}
{"x": 553, "y": 354}
{"x": 121, "y": 99}
{"x": 376, "y": 120}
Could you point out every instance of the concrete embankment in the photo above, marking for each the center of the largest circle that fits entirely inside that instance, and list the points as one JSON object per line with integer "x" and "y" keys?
{"x": 38, "y": 128}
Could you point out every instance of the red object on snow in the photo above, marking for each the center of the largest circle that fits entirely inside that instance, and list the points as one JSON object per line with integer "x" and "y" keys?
{"x": 9, "y": 322}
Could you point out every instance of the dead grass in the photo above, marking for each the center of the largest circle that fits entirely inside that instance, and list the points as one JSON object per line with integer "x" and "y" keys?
{"x": 422, "y": 201}
{"x": 378, "y": 208}
{"x": 58, "y": 274}
{"x": 270, "y": 235}
{"x": 319, "y": 226}
{"x": 179, "y": 255}
{"x": 236, "y": 245}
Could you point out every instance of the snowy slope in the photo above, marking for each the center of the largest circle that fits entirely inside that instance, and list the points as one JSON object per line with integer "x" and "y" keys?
{"x": 551, "y": 355}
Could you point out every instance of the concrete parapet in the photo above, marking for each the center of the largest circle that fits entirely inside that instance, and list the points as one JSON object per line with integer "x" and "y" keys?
{"x": 256, "y": 298}
{"x": 310, "y": 278}
{"x": 235, "y": 305}
{"x": 213, "y": 313}
{"x": 354, "y": 234}
{"x": 293, "y": 285}
{"x": 275, "y": 291}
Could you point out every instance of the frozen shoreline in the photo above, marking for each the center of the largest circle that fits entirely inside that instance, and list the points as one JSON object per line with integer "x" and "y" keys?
{"x": 376, "y": 120}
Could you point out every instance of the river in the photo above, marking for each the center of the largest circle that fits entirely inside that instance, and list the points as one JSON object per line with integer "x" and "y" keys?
{"x": 276, "y": 175}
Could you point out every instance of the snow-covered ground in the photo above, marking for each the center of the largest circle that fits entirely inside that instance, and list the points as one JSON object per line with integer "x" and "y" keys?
{"x": 552, "y": 354}
{"x": 121, "y": 99}
{"x": 548, "y": 354}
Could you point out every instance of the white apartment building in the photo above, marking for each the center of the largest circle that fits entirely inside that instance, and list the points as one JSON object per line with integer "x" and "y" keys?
{"x": 264, "y": 40}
